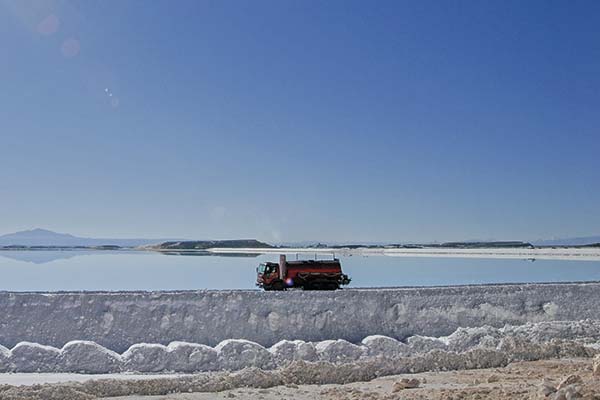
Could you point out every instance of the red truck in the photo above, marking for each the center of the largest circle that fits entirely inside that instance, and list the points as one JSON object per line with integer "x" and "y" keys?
{"x": 305, "y": 274}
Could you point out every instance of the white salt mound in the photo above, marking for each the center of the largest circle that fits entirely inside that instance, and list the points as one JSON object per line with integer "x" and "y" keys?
{"x": 544, "y": 331}
{"x": 89, "y": 358}
{"x": 33, "y": 357}
{"x": 236, "y": 354}
{"x": 287, "y": 351}
{"x": 191, "y": 357}
{"x": 378, "y": 345}
{"x": 424, "y": 344}
{"x": 145, "y": 357}
{"x": 464, "y": 339}
{"x": 340, "y": 350}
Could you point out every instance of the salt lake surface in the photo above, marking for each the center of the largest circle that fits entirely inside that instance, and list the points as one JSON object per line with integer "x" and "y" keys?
{"x": 73, "y": 270}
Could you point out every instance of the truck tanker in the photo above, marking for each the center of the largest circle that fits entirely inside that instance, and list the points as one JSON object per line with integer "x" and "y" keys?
{"x": 304, "y": 274}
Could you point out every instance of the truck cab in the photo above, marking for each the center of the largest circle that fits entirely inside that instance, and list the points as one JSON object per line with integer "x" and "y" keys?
{"x": 267, "y": 274}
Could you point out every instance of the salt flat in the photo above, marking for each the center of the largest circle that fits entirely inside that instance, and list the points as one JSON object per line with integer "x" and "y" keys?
{"x": 544, "y": 253}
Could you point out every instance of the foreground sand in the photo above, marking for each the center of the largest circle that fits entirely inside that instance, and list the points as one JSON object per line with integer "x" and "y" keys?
{"x": 521, "y": 380}
{"x": 573, "y": 377}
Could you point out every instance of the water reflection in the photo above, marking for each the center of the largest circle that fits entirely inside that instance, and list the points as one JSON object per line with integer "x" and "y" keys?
{"x": 206, "y": 254}
{"x": 54, "y": 270}
{"x": 42, "y": 256}
{"x": 47, "y": 256}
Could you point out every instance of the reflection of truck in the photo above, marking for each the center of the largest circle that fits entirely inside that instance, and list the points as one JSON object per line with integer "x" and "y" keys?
{"x": 305, "y": 274}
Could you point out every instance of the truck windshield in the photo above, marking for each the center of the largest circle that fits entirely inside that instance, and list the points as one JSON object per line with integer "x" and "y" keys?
{"x": 261, "y": 268}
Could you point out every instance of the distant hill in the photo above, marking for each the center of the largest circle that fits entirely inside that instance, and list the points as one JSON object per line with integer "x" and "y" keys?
{"x": 210, "y": 244}
{"x": 44, "y": 237}
{"x": 486, "y": 245}
{"x": 576, "y": 241}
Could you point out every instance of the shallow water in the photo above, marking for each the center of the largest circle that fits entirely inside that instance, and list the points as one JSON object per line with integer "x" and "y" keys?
{"x": 44, "y": 270}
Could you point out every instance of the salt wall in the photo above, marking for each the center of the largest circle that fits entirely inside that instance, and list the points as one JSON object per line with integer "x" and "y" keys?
{"x": 118, "y": 320}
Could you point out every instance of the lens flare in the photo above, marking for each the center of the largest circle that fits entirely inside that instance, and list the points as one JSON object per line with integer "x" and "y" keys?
{"x": 70, "y": 48}
{"x": 49, "y": 25}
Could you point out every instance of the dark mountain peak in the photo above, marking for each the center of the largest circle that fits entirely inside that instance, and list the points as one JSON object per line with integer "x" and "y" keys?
{"x": 209, "y": 244}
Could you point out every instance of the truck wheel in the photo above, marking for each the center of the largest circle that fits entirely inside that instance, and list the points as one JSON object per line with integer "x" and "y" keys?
{"x": 278, "y": 286}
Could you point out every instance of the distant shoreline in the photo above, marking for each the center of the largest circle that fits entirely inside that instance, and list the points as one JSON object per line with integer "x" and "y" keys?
{"x": 563, "y": 253}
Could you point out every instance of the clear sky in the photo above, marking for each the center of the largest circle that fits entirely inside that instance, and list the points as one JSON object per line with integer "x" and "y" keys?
{"x": 332, "y": 120}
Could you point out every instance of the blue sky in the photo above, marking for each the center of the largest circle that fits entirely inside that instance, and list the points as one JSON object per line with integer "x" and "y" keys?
{"x": 301, "y": 120}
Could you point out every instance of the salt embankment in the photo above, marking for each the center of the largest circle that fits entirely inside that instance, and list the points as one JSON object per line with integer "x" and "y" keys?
{"x": 466, "y": 348}
{"x": 118, "y": 320}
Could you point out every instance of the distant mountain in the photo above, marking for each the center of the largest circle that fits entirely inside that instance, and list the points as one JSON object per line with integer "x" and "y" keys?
{"x": 44, "y": 237}
{"x": 576, "y": 241}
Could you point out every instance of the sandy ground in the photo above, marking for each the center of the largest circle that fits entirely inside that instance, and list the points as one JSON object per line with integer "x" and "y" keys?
{"x": 29, "y": 379}
{"x": 550, "y": 379}
{"x": 522, "y": 380}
